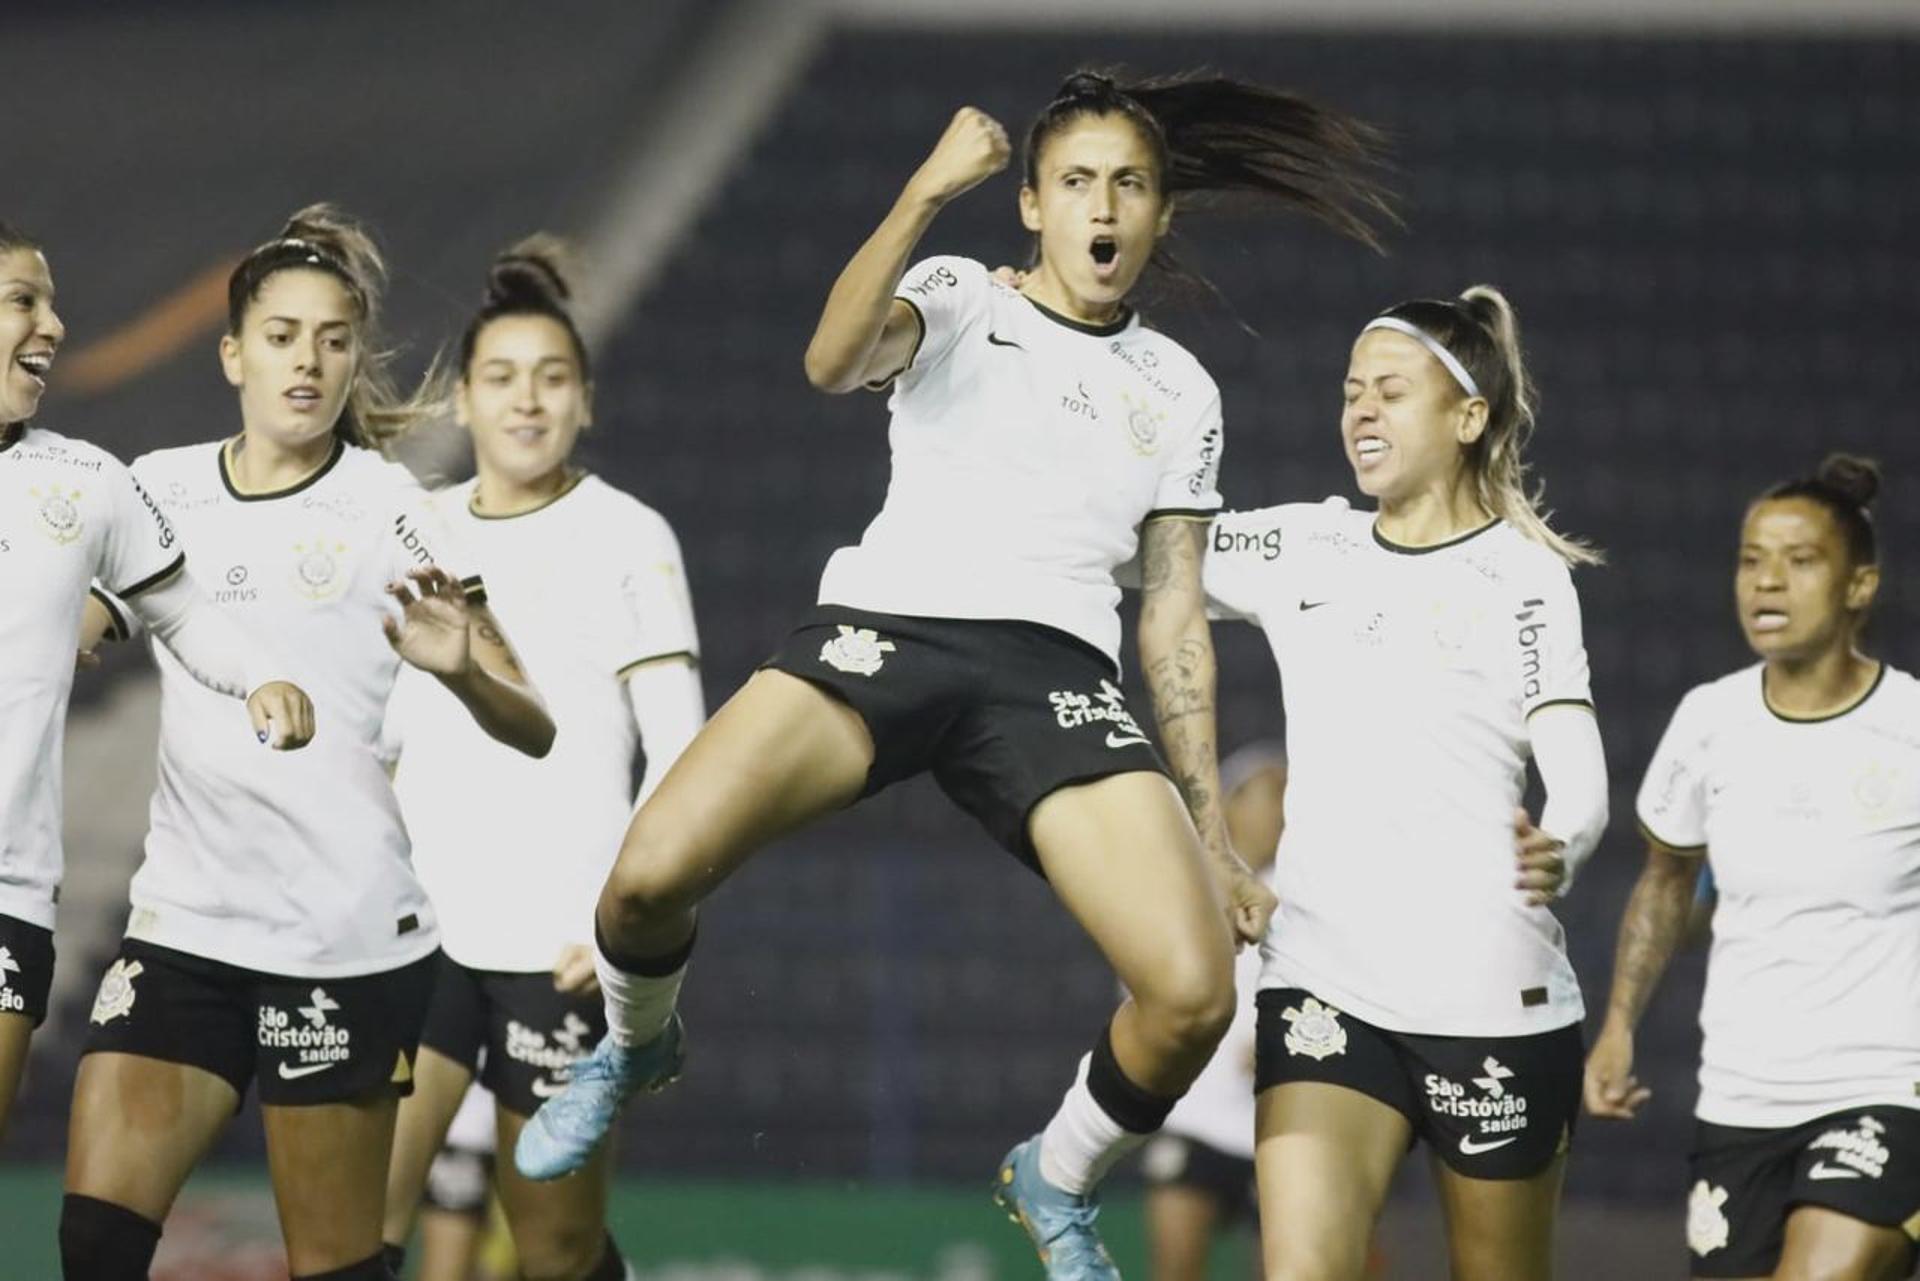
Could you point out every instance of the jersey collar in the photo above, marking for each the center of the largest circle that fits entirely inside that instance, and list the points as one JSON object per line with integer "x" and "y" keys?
{"x": 1854, "y": 706}
{"x": 1107, "y": 330}
{"x": 1402, "y": 549}
{"x": 11, "y": 435}
{"x": 226, "y": 477}
{"x": 477, "y": 514}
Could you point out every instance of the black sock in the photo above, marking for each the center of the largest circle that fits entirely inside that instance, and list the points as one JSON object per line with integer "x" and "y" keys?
{"x": 371, "y": 1268}
{"x": 647, "y": 967}
{"x": 396, "y": 1257}
{"x": 101, "y": 1241}
{"x": 612, "y": 1267}
{"x": 1131, "y": 1107}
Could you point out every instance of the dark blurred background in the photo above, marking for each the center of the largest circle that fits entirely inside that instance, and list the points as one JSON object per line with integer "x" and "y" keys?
{"x": 1704, "y": 213}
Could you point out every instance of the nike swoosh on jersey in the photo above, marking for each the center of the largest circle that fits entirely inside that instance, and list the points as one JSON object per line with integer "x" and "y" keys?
{"x": 1123, "y": 740}
{"x": 547, "y": 1089}
{"x": 1821, "y": 1170}
{"x": 1469, "y": 1148}
{"x": 997, "y": 341}
{"x": 1306, "y": 605}
{"x": 295, "y": 1073}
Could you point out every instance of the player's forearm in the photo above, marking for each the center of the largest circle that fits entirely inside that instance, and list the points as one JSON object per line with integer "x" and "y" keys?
{"x": 1573, "y": 768}
{"x": 508, "y": 710}
{"x": 1651, "y": 931}
{"x": 855, "y": 317}
{"x": 212, "y": 647}
{"x": 669, "y": 708}
{"x": 1176, "y": 653}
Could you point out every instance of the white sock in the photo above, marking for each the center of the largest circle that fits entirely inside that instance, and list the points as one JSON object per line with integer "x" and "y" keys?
{"x": 1082, "y": 1142}
{"x": 638, "y": 1005}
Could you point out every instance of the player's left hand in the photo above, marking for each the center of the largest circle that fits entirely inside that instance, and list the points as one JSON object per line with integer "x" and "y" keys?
{"x": 1250, "y": 905}
{"x": 573, "y": 972}
{"x": 431, "y": 632}
{"x": 1541, "y": 868}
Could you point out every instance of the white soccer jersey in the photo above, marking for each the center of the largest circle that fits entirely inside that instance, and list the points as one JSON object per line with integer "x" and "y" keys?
{"x": 69, "y": 513}
{"x": 1027, "y": 449}
{"x": 1408, "y": 676}
{"x": 1813, "y": 830}
{"x": 291, "y": 863}
{"x": 513, "y": 850}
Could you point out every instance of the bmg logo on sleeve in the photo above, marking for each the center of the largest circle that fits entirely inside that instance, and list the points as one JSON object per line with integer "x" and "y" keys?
{"x": 1265, "y": 543}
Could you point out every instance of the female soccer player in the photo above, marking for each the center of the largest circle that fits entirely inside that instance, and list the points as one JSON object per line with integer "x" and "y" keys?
{"x": 1199, "y": 1168}
{"x": 1414, "y": 983}
{"x": 1039, "y": 438}
{"x": 277, "y": 928}
{"x": 590, "y": 581}
{"x": 1799, "y": 778}
{"x": 70, "y": 513}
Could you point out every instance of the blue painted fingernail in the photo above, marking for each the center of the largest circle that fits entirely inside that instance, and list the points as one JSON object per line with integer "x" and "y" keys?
{"x": 261, "y": 735}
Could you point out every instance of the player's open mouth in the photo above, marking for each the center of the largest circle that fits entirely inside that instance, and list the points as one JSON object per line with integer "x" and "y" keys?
{"x": 1770, "y": 620}
{"x": 527, "y": 435}
{"x": 36, "y": 364}
{"x": 303, "y": 397}
{"x": 1106, "y": 256}
{"x": 1370, "y": 449}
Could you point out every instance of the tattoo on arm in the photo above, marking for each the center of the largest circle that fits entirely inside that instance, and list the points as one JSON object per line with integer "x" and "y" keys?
{"x": 1651, "y": 931}
{"x": 1176, "y": 652}
{"x": 485, "y": 629}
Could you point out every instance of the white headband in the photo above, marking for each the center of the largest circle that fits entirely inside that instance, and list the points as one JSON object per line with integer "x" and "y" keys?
{"x": 1432, "y": 344}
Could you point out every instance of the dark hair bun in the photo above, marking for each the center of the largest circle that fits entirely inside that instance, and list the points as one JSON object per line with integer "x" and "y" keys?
{"x": 1086, "y": 86}
{"x": 1852, "y": 477}
{"x": 531, "y": 273}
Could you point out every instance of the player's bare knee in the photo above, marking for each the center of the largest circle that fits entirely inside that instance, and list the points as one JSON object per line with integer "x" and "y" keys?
{"x": 1191, "y": 1006}
{"x": 647, "y": 885}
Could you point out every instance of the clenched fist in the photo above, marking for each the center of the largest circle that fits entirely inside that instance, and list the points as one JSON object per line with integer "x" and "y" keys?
{"x": 973, "y": 149}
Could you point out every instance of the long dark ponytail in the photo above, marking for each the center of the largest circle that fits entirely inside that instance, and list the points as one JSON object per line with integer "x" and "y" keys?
{"x": 1216, "y": 136}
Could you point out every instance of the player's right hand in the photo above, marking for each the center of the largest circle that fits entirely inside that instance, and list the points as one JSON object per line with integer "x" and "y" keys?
{"x": 282, "y": 715}
{"x": 1611, "y": 1088}
{"x": 973, "y": 149}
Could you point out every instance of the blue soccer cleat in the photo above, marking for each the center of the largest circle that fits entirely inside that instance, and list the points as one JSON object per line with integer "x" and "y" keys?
{"x": 560, "y": 1137}
{"x": 1060, "y": 1223}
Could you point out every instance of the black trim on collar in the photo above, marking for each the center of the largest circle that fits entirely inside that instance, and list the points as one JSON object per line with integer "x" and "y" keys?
{"x": 566, "y": 489}
{"x": 1779, "y": 715}
{"x": 226, "y": 477}
{"x": 1400, "y": 549}
{"x": 1080, "y": 326}
{"x": 12, "y": 435}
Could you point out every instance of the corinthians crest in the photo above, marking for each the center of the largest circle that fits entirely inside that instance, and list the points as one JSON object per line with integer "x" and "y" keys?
{"x": 60, "y": 513}
{"x": 858, "y": 650}
{"x": 316, "y": 568}
{"x": 1143, "y": 425}
{"x": 1314, "y": 1030}
{"x": 1707, "y": 1226}
{"x": 116, "y": 991}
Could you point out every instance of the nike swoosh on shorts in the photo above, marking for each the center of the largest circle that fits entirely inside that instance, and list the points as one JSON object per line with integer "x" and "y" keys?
{"x": 294, "y": 1074}
{"x": 1470, "y": 1148}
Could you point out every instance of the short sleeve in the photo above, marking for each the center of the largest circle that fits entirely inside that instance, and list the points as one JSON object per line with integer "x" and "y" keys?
{"x": 1191, "y": 482}
{"x": 1552, "y": 646}
{"x": 420, "y": 538}
{"x": 1244, "y": 561}
{"x": 655, "y": 615}
{"x": 947, "y": 295}
{"x": 140, "y": 549}
{"x": 1672, "y": 805}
